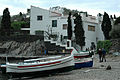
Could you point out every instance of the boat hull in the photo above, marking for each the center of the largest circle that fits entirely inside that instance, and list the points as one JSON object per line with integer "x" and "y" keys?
{"x": 40, "y": 73}
{"x": 84, "y": 64}
{"x": 46, "y": 66}
{"x": 83, "y": 59}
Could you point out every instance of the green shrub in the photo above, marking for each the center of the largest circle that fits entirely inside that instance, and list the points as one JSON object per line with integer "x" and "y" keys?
{"x": 104, "y": 44}
{"x": 16, "y": 25}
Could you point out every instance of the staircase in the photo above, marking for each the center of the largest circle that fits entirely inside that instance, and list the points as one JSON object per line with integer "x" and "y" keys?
{"x": 52, "y": 45}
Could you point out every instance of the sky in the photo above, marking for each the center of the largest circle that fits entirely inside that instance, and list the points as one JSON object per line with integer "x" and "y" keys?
{"x": 93, "y": 7}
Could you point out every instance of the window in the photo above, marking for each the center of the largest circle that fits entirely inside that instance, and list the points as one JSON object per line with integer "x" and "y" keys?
{"x": 54, "y": 23}
{"x": 39, "y": 17}
{"x": 91, "y": 28}
{"x": 25, "y": 32}
{"x": 65, "y": 37}
{"x": 64, "y": 26}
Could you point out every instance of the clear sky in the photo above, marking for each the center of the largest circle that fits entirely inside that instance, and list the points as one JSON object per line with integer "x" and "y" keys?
{"x": 93, "y": 7}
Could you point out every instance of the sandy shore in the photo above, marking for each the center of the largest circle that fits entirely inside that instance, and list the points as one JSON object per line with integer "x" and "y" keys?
{"x": 97, "y": 72}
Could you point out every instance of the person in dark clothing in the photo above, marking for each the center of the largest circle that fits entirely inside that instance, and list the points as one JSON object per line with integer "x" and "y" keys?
{"x": 103, "y": 54}
{"x": 91, "y": 53}
{"x": 100, "y": 55}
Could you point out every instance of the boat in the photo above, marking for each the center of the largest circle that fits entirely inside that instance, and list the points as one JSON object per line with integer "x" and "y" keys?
{"x": 82, "y": 59}
{"x": 41, "y": 64}
{"x": 75, "y": 59}
{"x": 3, "y": 68}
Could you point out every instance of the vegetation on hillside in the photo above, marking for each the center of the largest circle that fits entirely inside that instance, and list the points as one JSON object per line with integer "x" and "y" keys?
{"x": 115, "y": 33}
{"x": 117, "y": 21}
{"x": 11, "y": 25}
{"x": 67, "y": 11}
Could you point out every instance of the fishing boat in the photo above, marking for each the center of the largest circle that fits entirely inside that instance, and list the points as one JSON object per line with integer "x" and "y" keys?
{"x": 3, "y": 68}
{"x": 82, "y": 59}
{"x": 40, "y": 64}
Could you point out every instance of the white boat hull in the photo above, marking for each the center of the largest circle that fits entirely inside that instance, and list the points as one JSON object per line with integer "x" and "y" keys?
{"x": 37, "y": 67}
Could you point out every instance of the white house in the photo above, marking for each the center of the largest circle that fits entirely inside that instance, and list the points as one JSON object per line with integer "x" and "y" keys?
{"x": 53, "y": 21}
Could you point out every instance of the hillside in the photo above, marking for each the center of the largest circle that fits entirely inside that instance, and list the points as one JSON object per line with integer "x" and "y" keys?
{"x": 115, "y": 45}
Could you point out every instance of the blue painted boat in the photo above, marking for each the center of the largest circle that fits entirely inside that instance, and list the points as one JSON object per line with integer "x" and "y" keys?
{"x": 82, "y": 59}
{"x": 84, "y": 62}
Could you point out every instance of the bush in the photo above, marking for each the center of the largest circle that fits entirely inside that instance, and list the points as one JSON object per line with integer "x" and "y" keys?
{"x": 17, "y": 25}
{"x": 104, "y": 44}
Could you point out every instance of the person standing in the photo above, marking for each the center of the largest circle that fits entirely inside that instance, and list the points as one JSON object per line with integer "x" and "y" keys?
{"x": 100, "y": 55}
{"x": 103, "y": 54}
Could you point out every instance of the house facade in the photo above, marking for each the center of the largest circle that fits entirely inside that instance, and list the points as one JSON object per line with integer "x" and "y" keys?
{"x": 54, "y": 22}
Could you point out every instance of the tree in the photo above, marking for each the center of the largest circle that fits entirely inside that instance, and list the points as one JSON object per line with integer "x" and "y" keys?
{"x": 69, "y": 29}
{"x": 114, "y": 16}
{"x": 106, "y": 25}
{"x": 79, "y": 31}
{"x": 6, "y": 23}
{"x": 111, "y": 17}
{"x": 20, "y": 14}
{"x": 117, "y": 21}
{"x": 99, "y": 14}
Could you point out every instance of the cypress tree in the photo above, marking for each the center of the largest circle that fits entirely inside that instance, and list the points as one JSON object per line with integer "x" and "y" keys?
{"x": 114, "y": 16}
{"x": 111, "y": 17}
{"x": 79, "y": 31}
{"x": 69, "y": 29}
{"x": 106, "y": 25}
{"x": 6, "y": 23}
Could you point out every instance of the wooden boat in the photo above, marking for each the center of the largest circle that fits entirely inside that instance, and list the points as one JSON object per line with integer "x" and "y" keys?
{"x": 40, "y": 64}
{"x": 3, "y": 68}
{"x": 82, "y": 59}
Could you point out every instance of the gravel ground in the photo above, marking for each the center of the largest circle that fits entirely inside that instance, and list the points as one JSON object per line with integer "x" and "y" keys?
{"x": 97, "y": 72}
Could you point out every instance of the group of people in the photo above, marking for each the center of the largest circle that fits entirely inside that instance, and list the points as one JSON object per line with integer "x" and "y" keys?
{"x": 102, "y": 53}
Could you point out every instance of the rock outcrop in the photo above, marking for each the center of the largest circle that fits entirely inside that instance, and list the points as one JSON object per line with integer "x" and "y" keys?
{"x": 115, "y": 46}
{"x": 14, "y": 48}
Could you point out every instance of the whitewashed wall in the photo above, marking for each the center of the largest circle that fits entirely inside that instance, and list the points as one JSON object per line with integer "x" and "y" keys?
{"x": 41, "y": 24}
{"x": 46, "y": 23}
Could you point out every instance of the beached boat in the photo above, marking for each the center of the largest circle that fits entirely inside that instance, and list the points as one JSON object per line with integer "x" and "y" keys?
{"x": 40, "y": 64}
{"x": 82, "y": 59}
{"x": 3, "y": 68}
